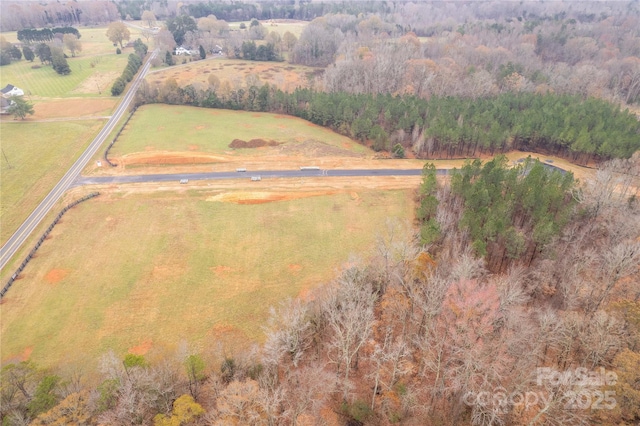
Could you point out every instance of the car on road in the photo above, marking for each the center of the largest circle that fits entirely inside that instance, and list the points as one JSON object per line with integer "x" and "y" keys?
{"x": 183, "y": 181}
{"x": 256, "y": 178}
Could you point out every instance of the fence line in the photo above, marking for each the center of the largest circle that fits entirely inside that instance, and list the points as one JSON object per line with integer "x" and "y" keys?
{"x": 44, "y": 235}
{"x": 106, "y": 151}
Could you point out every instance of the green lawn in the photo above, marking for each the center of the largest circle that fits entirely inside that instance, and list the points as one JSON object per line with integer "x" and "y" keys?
{"x": 176, "y": 128}
{"x": 38, "y": 155}
{"x": 45, "y": 82}
{"x": 171, "y": 269}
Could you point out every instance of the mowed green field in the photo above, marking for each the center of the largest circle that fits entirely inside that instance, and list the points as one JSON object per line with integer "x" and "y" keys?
{"x": 181, "y": 128}
{"x": 165, "y": 268}
{"x": 97, "y": 59}
{"x": 45, "y": 82}
{"x": 37, "y": 156}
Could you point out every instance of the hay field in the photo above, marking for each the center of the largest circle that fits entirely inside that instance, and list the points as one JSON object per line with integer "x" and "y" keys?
{"x": 37, "y": 156}
{"x": 157, "y": 129}
{"x": 285, "y": 76}
{"x": 158, "y": 269}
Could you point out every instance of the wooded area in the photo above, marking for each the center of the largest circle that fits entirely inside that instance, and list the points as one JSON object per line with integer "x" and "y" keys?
{"x": 440, "y": 127}
{"x": 415, "y": 335}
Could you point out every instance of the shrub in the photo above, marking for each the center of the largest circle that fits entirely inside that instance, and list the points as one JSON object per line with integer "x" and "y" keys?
{"x": 118, "y": 51}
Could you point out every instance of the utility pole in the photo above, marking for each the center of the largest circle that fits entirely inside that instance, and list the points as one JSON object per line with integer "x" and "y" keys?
{"x": 5, "y": 158}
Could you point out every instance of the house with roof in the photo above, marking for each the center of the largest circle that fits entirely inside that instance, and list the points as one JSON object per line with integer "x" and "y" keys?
{"x": 181, "y": 50}
{"x": 4, "y": 105}
{"x": 11, "y": 90}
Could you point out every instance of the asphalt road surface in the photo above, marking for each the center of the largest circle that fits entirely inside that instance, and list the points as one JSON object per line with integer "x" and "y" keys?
{"x": 18, "y": 238}
{"x": 264, "y": 174}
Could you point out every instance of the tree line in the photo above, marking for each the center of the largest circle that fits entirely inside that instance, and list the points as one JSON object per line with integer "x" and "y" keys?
{"x": 414, "y": 333}
{"x": 31, "y": 35}
{"x": 447, "y": 127}
{"x": 134, "y": 62}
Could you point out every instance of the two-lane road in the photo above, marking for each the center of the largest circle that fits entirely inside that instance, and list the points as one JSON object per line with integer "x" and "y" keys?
{"x": 18, "y": 238}
{"x": 98, "y": 180}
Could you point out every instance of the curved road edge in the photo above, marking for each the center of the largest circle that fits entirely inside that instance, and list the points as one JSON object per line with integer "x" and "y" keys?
{"x": 19, "y": 237}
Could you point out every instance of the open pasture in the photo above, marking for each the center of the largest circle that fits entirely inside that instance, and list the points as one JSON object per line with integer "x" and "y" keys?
{"x": 236, "y": 72}
{"x": 194, "y": 130}
{"x": 163, "y": 268}
{"x": 37, "y": 156}
{"x": 90, "y": 76}
{"x": 280, "y": 26}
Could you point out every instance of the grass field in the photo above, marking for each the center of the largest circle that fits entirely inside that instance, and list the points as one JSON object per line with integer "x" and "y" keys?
{"x": 45, "y": 82}
{"x": 285, "y": 76}
{"x": 277, "y": 25}
{"x": 38, "y": 155}
{"x": 181, "y": 128}
{"x": 93, "y": 70}
{"x": 165, "y": 267}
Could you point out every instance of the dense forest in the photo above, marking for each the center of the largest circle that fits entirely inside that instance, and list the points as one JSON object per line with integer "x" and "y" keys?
{"x": 416, "y": 334}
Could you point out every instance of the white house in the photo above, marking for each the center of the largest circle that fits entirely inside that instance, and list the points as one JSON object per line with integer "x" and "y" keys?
{"x": 183, "y": 51}
{"x": 11, "y": 90}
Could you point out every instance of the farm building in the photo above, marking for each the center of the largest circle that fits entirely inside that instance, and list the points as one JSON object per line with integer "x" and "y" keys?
{"x": 11, "y": 90}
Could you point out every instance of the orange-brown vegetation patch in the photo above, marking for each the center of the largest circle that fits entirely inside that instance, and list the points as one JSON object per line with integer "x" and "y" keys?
{"x": 97, "y": 80}
{"x": 142, "y": 348}
{"x": 164, "y": 157}
{"x": 242, "y": 197}
{"x": 200, "y": 127}
{"x": 193, "y": 147}
{"x": 295, "y": 268}
{"x": 253, "y": 143}
{"x": 23, "y": 356}
{"x": 55, "y": 275}
{"x": 73, "y": 108}
{"x": 222, "y": 270}
{"x": 229, "y": 337}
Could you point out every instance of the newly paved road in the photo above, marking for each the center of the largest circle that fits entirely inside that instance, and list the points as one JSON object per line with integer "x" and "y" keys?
{"x": 264, "y": 174}
{"x": 18, "y": 238}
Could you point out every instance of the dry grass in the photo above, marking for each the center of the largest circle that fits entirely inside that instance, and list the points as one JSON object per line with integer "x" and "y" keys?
{"x": 124, "y": 270}
{"x": 156, "y": 131}
{"x": 285, "y": 76}
{"x": 38, "y": 155}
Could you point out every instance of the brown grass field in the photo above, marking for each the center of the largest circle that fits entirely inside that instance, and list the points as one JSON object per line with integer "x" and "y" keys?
{"x": 285, "y": 76}
{"x": 130, "y": 271}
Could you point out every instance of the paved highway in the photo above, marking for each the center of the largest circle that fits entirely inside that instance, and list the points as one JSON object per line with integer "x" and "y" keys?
{"x": 18, "y": 238}
{"x": 248, "y": 174}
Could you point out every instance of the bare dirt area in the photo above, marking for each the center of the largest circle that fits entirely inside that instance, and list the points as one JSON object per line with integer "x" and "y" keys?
{"x": 100, "y": 80}
{"x": 55, "y": 275}
{"x": 142, "y": 348}
{"x": 257, "y": 197}
{"x": 253, "y": 143}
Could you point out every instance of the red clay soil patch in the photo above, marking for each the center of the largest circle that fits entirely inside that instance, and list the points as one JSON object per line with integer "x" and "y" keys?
{"x": 55, "y": 275}
{"x": 140, "y": 158}
{"x": 242, "y": 197}
{"x": 193, "y": 147}
{"x": 24, "y": 356}
{"x": 221, "y": 270}
{"x": 142, "y": 348}
{"x": 295, "y": 268}
{"x": 200, "y": 127}
{"x": 253, "y": 143}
